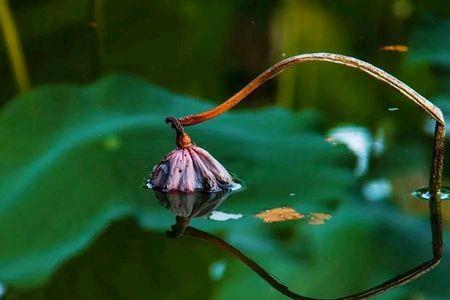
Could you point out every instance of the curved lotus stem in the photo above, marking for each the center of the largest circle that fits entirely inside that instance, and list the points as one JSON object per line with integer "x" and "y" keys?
{"x": 435, "y": 174}
{"x": 348, "y": 61}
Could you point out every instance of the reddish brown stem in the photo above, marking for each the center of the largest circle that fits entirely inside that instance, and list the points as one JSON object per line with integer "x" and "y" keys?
{"x": 348, "y": 61}
{"x": 435, "y": 178}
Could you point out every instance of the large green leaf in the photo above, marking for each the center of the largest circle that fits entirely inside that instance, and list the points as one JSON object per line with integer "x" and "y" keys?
{"x": 430, "y": 42}
{"x": 129, "y": 263}
{"x": 74, "y": 159}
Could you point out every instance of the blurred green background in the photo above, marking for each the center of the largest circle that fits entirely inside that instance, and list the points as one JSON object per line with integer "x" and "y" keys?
{"x": 84, "y": 90}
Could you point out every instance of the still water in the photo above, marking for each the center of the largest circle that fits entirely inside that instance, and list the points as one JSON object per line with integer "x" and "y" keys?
{"x": 334, "y": 166}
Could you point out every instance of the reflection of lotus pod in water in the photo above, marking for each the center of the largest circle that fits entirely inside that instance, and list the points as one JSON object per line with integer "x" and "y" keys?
{"x": 189, "y": 205}
{"x": 192, "y": 205}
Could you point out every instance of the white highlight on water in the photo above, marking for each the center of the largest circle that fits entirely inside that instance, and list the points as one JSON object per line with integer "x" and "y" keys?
{"x": 377, "y": 189}
{"x": 2, "y": 290}
{"x": 222, "y": 216}
{"x": 424, "y": 193}
{"x": 217, "y": 270}
{"x": 358, "y": 140}
{"x": 234, "y": 186}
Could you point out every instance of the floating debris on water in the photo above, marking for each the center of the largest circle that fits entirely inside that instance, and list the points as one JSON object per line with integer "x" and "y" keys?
{"x": 425, "y": 194}
{"x": 279, "y": 214}
{"x": 393, "y": 109}
{"x": 318, "y": 218}
{"x": 282, "y": 214}
{"x": 395, "y": 48}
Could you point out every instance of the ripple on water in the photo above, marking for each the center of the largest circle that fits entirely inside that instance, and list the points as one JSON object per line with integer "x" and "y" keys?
{"x": 425, "y": 194}
{"x": 234, "y": 187}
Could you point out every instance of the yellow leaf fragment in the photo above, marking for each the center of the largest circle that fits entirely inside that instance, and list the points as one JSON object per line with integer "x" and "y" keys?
{"x": 395, "y": 48}
{"x": 279, "y": 214}
{"x": 318, "y": 218}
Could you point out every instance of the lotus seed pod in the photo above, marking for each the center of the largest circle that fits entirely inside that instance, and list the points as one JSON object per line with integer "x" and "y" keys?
{"x": 189, "y": 169}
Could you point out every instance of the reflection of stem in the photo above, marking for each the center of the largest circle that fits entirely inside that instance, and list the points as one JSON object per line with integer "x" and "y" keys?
{"x": 385, "y": 286}
{"x": 191, "y": 231}
{"x": 351, "y": 62}
{"x": 436, "y": 230}
{"x": 178, "y": 228}
{"x": 435, "y": 220}
{"x": 14, "y": 47}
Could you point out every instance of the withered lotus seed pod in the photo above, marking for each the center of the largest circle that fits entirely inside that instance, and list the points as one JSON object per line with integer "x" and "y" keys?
{"x": 189, "y": 168}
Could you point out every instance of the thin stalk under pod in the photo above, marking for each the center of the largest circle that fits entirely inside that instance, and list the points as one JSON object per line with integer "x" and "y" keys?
{"x": 14, "y": 47}
{"x": 435, "y": 173}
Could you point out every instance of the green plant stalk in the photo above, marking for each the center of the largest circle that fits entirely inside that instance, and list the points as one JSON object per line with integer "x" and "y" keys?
{"x": 14, "y": 47}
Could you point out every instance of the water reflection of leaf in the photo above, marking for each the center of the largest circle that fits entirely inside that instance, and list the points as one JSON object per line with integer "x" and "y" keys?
{"x": 127, "y": 262}
{"x": 430, "y": 42}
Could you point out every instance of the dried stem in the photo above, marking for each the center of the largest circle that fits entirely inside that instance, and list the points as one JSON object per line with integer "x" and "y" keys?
{"x": 348, "y": 61}
{"x": 182, "y": 138}
{"x": 436, "y": 231}
{"x": 435, "y": 186}
{"x": 435, "y": 173}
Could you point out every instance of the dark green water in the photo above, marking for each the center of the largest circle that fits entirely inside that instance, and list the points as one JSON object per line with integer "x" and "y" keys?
{"x": 338, "y": 152}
